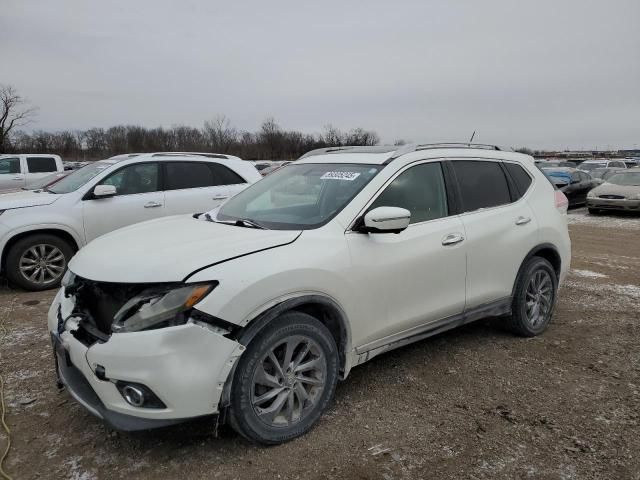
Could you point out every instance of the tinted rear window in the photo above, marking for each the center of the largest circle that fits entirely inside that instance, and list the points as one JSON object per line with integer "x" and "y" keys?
{"x": 224, "y": 176}
{"x": 41, "y": 164}
{"x": 520, "y": 177}
{"x": 482, "y": 184}
{"x": 181, "y": 175}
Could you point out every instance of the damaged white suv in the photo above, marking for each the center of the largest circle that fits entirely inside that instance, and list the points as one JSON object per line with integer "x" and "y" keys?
{"x": 256, "y": 309}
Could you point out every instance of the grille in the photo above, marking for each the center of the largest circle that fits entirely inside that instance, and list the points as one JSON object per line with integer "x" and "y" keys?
{"x": 613, "y": 197}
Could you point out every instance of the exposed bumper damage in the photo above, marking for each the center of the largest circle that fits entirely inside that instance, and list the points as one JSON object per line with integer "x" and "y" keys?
{"x": 93, "y": 363}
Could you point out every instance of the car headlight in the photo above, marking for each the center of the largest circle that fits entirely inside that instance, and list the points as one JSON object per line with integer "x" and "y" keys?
{"x": 68, "y": 279}
{"x": 637, "y": 197}
{"x": 591, "y": 194}
{"x": 159, "y": 308}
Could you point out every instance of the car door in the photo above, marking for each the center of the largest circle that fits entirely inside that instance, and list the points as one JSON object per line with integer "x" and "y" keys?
{"x": 11, "y": 176}
{"x": 38, "y": 168}
{"x": 191, "y": 187}
{"x": 223, "y": 175}
{"x": 415, "y": 278}
{"x": 500, "y": 229}
{"x": 139, "y": 197}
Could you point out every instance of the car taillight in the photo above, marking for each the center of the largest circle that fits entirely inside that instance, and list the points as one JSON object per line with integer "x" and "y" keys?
{"x": 562, "y": 203}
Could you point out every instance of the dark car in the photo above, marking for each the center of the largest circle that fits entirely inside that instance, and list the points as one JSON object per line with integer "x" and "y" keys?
{"x": 575, "y": 184}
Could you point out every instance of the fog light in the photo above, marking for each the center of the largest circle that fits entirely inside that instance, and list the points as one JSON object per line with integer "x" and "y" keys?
{"x": 134, "y": 396}
{"x": 137, "y": 395}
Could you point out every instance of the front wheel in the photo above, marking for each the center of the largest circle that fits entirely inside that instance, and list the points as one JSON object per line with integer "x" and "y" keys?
{"x": 38, "y": 262}
{"x": 285, "y": 380}
{"x": 534, "y": 299}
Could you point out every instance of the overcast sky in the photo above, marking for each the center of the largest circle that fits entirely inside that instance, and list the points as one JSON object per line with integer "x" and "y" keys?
{"x": 550, "y": 73}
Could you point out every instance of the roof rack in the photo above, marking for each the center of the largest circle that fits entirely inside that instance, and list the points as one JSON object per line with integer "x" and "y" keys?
{"x": 415, "y": 147}
{"x": 351, "y": 149}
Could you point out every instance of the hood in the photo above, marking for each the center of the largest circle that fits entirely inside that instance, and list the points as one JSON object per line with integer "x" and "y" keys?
{"x": 26, "y": 199}
{"x": 170, "y": 249}
{"x": 627, "y": 191}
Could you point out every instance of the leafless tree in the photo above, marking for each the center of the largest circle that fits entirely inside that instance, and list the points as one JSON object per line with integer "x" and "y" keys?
{"x": 220, "y": 135}
{"x": 14, "y": 112}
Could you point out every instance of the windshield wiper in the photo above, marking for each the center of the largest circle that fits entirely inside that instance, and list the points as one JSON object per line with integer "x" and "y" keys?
{"x": 245, "y": 222}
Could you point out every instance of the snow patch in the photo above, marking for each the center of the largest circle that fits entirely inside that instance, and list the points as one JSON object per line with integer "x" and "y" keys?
{"x": 588, "y": 273}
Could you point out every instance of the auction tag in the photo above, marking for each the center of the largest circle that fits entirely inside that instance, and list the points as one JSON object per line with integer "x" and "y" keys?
{"x": 349, "y": 176}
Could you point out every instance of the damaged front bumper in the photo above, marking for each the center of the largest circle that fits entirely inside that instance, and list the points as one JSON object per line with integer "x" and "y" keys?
{"x": 185, "y": 366}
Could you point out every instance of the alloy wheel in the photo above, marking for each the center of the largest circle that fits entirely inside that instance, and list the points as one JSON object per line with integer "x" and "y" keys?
{"x": 288, "y": 381}
{"x": 539, "y": 297}
{"x": 42, "y": 264}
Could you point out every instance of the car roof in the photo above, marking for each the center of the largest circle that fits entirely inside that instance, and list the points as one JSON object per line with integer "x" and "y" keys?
{"x": 384, "y": 154}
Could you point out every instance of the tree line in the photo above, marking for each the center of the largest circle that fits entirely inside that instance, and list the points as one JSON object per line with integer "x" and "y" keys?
{"x": 270, "y": 142}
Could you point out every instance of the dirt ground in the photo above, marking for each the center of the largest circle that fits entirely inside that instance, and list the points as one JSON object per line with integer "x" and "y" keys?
{"x": 475, "y": 402}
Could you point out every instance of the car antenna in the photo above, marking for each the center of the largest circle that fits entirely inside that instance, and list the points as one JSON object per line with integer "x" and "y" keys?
{"x": 472, "y": 135}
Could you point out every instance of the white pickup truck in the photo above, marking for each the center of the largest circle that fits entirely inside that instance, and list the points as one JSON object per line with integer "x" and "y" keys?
{"x": 19, "y": 171}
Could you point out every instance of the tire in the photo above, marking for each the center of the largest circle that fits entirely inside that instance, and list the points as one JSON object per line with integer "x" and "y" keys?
{"x": 261, "y": 396}
{"x": 538, "y": 284}
{"x": 593, "y": 211}
{"x": 27, "y": 251}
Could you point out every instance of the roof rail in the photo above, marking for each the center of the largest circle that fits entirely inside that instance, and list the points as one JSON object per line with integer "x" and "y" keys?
{"x": 351, "y": 149}
{"x": 415, "y": 147}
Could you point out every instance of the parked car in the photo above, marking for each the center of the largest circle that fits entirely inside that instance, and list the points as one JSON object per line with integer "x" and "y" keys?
{"x": 41, "y": 230}
{"x": 258, "y": 307}
{"x": 620, "y": 192}
{"x": 555, "y": 163}
{"x": 600, "y": 175}
{"x": 589, "y": 165}
{"x": 575, "y": 184}
{"x": 17, "y": 171}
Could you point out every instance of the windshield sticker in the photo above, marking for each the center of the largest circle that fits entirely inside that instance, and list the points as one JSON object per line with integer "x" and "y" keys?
{"x": 349, "y": 176}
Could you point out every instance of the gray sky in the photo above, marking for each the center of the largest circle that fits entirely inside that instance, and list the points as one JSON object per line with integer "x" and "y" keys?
{"x": 544, "y": 73}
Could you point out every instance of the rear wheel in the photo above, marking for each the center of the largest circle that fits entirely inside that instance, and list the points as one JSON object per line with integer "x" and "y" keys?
{"x": 285, "y": 380}
{"x": 38, "y": 262}
{"x": 534, "y": 299}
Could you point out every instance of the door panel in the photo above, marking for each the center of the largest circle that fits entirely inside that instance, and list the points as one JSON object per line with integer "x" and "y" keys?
{"x": 138, "y": 200}
{"x": 11, "y": 176}
{"x": 194, "y": 200}
{"x": 415, "y": 277}
{"x": 410, "y": 278}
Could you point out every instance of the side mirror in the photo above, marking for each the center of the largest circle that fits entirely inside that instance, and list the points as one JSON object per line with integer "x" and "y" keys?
{"x": 386, "y": 220}
{"x": 105, "y": 191}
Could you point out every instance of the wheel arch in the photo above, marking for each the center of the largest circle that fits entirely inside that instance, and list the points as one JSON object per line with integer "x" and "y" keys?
{"x": 57, "y": 231}
{"x": 547, "y": 251}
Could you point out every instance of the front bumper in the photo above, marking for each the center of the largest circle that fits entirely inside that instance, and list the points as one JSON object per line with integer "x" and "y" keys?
{"x": 185, "y": 366}
{"x": 613, "y": 204}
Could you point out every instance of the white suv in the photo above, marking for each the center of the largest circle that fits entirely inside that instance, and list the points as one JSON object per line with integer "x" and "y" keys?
{"x": 257, "y": 308}
{"x": 40, "y": 230}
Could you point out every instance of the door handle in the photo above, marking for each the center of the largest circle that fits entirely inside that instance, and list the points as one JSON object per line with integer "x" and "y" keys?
{"x": 452, "y": 239}
{"x": 18, "y": 178}
{"x": 522, "y": 220}
{"x": 152, "y": 205}
{"x": 221, "y": 197}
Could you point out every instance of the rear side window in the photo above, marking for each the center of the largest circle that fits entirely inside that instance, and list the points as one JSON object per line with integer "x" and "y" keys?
{"x": 41, "y": 164}
{"x": 519, "y": 176}
{"x": 9, "y": 165}
{"x": 420, "y": 190}
{"x": 181, "y": 175}
{"x": 224, "y": 176}
{"x": 482, "y": 184}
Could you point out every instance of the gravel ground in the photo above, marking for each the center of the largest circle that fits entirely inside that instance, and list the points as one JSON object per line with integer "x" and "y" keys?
{"x": 472, "y": 403}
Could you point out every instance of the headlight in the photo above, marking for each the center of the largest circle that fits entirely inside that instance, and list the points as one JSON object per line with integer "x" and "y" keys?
{"x": 154, "y": 307}
{"x": 637, "y": 197}
{"x": 68, "y": 279}
{"x": 591, "y": 194}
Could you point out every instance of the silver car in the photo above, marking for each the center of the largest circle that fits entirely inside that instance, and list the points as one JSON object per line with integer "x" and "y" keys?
{"x": 620, "y": 192}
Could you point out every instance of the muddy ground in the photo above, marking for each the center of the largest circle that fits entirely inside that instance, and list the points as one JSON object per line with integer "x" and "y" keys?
{"x": 472, "y": 403}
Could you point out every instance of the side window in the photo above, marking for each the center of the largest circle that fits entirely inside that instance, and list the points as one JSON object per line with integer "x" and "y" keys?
{"x": 420, "y": 190}
{"x": 575, "y": 177}
{"x": 41, "y": 164}
{"x": 139, "y": 178}
{"x": 584, "y": 177}
{"x": 225, "y": 176}
{"x": 181, "y": 175}
{"x": 9, "y": 165}
{"x": 482, "y": 184}
{"x": 519, "y": 176}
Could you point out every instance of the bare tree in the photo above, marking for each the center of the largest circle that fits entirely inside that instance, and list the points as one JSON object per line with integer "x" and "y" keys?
{"x": 14, "y": 112}
{"x": 220, "y": 135}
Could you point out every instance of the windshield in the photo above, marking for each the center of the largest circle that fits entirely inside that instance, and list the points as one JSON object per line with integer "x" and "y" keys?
{"x": 78, "y": 178}
{"x": 625, "y": 179}
{"x": 302, "y": 196}
{"x": 592, "y": 166}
